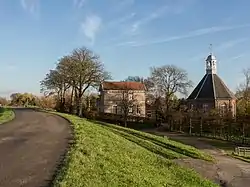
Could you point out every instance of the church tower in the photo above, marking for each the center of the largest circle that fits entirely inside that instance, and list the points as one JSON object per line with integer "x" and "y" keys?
{"x": 211, "y": 66}
{"x": 211, "y": 92}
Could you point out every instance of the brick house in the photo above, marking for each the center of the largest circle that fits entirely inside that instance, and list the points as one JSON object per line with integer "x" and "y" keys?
{"x": 114, "y": 95}
{"x": 211, "y": 92}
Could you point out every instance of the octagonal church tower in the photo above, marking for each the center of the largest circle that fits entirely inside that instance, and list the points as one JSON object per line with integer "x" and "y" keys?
{"x": 211, "y": 92}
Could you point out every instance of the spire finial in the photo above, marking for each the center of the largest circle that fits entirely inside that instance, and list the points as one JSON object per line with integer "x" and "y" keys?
{"x": 211, "y": 48}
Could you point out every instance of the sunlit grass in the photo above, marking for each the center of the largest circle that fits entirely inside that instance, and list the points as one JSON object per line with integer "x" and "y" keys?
{"x": 109, "y": 155}
{"x": 6, "y": 115}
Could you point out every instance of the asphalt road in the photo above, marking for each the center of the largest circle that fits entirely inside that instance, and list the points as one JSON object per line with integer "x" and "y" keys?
{"x": 31, "y": 148}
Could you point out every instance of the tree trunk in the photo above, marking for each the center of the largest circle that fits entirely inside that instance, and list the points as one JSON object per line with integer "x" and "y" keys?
{"x": 243, "y": 133}
{"x": 80, "y": 105}
{"x": 77, "y": 102}
{"x": 125, "y": 120}
{"x": 190, "y": 126}
{"x": 201, "y": 126}
{"x": 125, "y": 123}
{"x": 71, "y": 100}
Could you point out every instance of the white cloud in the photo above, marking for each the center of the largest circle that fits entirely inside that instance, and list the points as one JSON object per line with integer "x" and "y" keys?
{"x": 11, "y": 67}
{"x": 122, "y": 4}
{"x": 151, "y": 17}
{"x": 237, "y": 57}
{"x": 191, "y": 34}
{"x": 121, "y": 20}
{"x": 79, "y": 3}
{"x": 91, "y": 26}
{"x": 31, "y": 6}
{"x": 170, "y": 7}
{"x": 231, "y": 43}
{"x": 126, "y": 43}
{"x": 221, "y": 48}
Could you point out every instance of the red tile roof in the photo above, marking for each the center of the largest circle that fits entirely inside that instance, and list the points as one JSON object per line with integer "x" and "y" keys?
{"x": 123, "y": 85}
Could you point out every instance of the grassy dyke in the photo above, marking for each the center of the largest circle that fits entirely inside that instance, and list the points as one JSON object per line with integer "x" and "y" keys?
{"x": 108, "y": 155}
{"x": 6, "y": 115}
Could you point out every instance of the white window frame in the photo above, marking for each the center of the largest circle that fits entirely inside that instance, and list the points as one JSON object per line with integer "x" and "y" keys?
{"x": 115, "y": 109}
{"x": 138, "y": 109}
{"x": 130, "y": 109}
{"x": 223, "y": 108}
{"x": 130, "y": 96}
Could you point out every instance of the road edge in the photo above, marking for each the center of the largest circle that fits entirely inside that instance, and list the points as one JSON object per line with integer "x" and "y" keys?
{"x": 64, "y": 158}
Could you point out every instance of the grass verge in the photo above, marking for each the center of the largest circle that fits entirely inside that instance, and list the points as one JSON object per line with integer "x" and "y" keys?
{"x": 226, "y": 146}
{"x": 6, "y": 115}
{"x": 109, "y": 155}
{"x": 243, "y": 158}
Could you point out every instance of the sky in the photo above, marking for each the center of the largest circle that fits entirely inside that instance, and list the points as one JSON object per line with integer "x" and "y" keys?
{"x": 130, "y": 36}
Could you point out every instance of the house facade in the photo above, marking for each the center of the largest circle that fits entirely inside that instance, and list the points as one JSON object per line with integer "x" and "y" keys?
{"x": 211, "y": 92}
{"x": 117, "y": 97}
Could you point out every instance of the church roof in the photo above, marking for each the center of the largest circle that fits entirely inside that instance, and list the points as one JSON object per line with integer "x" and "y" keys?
{"x": 211, "y": 57}
{"x": 211, "y": 87}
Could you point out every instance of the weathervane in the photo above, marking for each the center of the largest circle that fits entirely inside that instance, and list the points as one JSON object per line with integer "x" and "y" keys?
{"x": 211, "y": 48}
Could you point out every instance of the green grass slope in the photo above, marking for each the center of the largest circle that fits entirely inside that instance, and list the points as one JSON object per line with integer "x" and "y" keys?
{"x": 6, "y": 115}
{"x": 109, "y": 155}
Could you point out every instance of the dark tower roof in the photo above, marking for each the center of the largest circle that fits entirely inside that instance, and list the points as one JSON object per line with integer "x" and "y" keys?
{"x": 211, "y": 86}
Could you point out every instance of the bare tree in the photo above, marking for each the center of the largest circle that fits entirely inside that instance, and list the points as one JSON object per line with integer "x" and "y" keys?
{"x": 87, "y": 71}
{"x": 55, "y": 82}
{"x": 3, "y": 101}
{"x": 134, "y": 79}
{"x": 243, "y": 95}
{"x": 168, "y": 80}
{"x": 127, "y": 105}
{"x": 145, "y": 81}
{"x": 127, "y": 100}
{"x": 64, "y": 68}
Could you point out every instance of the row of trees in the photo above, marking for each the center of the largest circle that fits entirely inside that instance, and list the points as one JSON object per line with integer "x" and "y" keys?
{"x": 82, "y": 70}
{"x": 67, "y": 88}
{"x": 73, "y": 76}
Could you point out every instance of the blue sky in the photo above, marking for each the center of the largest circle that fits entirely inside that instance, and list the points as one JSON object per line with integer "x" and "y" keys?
{"x": 129, "y": 35}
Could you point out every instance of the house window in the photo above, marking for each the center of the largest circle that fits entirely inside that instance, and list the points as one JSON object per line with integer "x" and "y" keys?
{"x": 138, "y": 109}
{"x": 115, "y": 109}
{"x": 130, "y": 96}
{"x": 205, "y": 107}
{"x": 130, "y": 109}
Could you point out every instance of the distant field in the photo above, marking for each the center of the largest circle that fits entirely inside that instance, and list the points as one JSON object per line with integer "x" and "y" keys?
{"x": 6, "y": 115}
{"x": 109, "y": 155}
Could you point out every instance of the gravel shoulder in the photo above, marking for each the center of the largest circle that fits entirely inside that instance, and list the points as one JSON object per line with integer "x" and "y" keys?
{"x": 32, "y": 147}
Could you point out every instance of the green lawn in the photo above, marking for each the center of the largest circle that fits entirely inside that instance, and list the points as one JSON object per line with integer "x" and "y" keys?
{"x": 109, "y": 155}
{"x": 6, "y": 115}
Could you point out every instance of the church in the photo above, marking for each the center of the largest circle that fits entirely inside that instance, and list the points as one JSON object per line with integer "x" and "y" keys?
{"x": 211, "y": 92}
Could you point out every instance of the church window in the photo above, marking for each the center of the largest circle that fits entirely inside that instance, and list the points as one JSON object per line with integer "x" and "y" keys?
{"x": 223, "y": 108}
{"x": 191, "y": 106}
{"x": 205, "y": 107}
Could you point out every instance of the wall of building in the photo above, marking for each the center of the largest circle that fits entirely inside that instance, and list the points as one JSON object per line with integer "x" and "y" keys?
{"x": 200, "y": 104}
{"x": 230, "y": 105}
{"x": 111, "y": 98}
